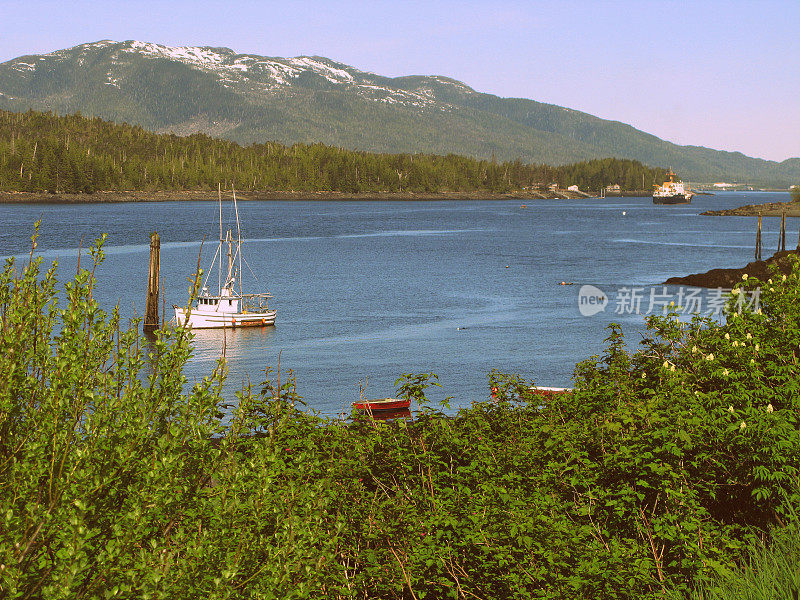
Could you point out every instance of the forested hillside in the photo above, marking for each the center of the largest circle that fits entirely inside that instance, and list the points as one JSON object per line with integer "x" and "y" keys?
{"x": 249, "y": 98}
{"x": 42, "y": 152}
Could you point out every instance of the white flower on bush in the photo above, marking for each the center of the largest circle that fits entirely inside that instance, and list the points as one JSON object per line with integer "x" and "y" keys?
{"x": 710, "y": 356}
{"x": 769, "y": 407}
{"x": 756, "y": 347}
{"x": 735, "y": 344}
{"x": 694, "y": 349}
{"x": 727, "y": 336}
{"x": 749, "y": 337}
{"x": 784, "y": 278}
{"x": 743, "y": 426}
{"x": 744, "y": 276}
{"x": 725, "y": 372}
{"x": 730, "y": 409}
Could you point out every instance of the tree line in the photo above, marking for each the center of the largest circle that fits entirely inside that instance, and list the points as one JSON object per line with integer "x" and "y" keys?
{"x": 44, "y": 152}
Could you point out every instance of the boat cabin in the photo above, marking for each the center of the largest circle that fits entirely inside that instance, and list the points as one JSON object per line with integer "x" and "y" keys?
{"x": 225, "y": 302}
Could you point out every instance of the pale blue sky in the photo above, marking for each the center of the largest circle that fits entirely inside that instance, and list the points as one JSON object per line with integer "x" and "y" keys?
{"x": 723, "y": 74}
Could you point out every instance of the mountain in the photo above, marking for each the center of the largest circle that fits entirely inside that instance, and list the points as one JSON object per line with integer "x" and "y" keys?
{"x": 249, "y": 98}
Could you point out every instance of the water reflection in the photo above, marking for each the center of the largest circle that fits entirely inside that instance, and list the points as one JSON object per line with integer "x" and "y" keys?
{"x": 233, "y": 344}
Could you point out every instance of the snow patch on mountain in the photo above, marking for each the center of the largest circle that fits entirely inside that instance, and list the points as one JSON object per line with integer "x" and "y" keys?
{"x": 111, "y": 80}
{"x": 320, "y": 68}
{"x": 249, "y": 73}
{"x": 189, "y": 54}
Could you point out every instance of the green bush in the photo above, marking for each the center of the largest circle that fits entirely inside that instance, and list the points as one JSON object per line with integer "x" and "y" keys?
{"x": 659, "y": 474}
{"x": 771, "y": 569}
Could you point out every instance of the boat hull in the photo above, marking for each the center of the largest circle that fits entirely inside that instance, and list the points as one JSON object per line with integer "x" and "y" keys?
{"x": 200, "y": 319}
{"x": 549, "y": 392}
{"x": 388, "y": 404}
{"x": 674, "y": 199}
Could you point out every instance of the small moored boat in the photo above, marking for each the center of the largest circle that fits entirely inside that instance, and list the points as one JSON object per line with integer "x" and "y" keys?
{"x": 229, "y": 307}
{"x": 550, "y": 391}
{"x": 385, "y": 404}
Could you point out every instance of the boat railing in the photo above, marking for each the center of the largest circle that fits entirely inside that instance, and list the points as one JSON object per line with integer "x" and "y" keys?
{"x": 255, "y": 302}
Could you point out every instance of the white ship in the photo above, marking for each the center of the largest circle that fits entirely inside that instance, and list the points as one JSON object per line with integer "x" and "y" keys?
{"x": 229, "y": 307}
{"x": 672, "y": 192}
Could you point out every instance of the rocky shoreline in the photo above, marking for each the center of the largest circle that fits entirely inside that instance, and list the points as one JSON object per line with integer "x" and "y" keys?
{"x": 727, "y": 278}
{"x": 769, "y": 209}
{"x": 211, "y": 195}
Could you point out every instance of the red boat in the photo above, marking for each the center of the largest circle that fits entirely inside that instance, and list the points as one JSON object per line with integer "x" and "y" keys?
{"x": 550, "y": 391}
{"x": 382, "y": 405}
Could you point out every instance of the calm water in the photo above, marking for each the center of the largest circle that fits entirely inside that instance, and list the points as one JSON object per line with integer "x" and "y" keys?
{"x": 373, "y": 290}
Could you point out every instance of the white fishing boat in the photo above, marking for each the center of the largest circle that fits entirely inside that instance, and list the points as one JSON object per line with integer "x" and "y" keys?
{"x": 230, "y": 306}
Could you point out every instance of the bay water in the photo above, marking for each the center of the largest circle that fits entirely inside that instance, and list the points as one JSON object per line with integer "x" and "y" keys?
{"x": 366, "y": 291}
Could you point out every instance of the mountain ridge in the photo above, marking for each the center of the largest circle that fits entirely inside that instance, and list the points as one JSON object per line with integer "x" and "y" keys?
{"x": 251, "y": 98}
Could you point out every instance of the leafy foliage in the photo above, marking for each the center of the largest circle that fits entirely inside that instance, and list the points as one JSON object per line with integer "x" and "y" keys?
{"x": 655, "y": 475}
{"x": 43, "y": 152}
{"x": 771, "y": 570}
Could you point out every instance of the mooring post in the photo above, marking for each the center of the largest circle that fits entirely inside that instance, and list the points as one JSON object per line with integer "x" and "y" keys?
{"x": 758, "y": 238}
{"x": 782, "y": 247}
{"x": 151, "y": 312}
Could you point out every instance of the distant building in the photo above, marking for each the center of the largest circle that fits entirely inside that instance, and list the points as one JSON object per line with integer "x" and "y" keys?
{"x": 613, "y": 189}
{"x": 573, "y": 188}
{"x": 552, "y": 187}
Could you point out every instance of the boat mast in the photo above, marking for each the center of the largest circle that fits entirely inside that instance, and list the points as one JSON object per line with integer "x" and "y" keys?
{"x": 230, "y": 261}
{"x": 238, "y": 241}
{"x": 219, "y": 192}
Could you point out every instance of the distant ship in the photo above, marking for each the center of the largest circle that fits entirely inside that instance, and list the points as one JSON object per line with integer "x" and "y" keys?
{"x": 672, "y": 192}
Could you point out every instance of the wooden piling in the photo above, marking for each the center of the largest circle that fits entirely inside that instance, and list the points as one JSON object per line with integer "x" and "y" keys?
{"x": 782, "y": 247}
{"x": 758, "y": 238}
{"x": 151, "y": 320}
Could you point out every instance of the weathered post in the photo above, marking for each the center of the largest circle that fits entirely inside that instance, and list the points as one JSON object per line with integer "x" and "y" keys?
{"x": 151, "y": 312}
{"x": 782, "y": 247}
{"x": 758, "y": 238}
